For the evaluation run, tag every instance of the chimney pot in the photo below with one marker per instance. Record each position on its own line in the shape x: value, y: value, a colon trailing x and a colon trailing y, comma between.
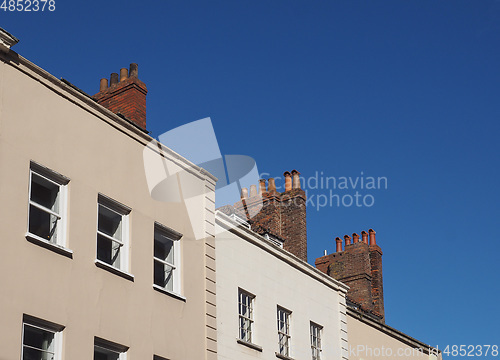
x: 134, y: 70
x: 114, y: 79
x: 123, y: 74
x: 103, y: 85
x: 271, y: 185
x: 262, y: 185
x: 244, y: 193
x: 372, y: 237
x: 288, y: 180
x: 339, y: 244
x: 355, y: 238
x: 253, y: 190
x: 295, y: 179
x: 364, y: 236
x: 126, y: 97
x: 347, y: 239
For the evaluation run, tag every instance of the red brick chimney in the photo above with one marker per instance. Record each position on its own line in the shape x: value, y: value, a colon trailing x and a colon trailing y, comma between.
x: 125, y: 95
x: 282, y: 214
x: 360, y: 267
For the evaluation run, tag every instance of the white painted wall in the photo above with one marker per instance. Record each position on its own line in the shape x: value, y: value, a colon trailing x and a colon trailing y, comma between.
x: 245, y: 260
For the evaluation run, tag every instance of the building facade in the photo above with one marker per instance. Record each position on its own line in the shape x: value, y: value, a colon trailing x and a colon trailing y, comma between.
x: 271, y: 304
x: 93, y: 266
x: 99, y: 262
x: 334, y: 310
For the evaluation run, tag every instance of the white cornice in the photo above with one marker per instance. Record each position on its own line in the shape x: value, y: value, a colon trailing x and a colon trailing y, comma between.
x: 7, y: 40
x: 252, y: 237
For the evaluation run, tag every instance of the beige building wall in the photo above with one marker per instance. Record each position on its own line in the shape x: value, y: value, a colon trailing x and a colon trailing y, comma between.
x: 372, y: 340
x: 46, y: 121
x: 276, y: 277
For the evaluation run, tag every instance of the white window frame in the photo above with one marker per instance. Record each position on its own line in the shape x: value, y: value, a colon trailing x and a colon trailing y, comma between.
x: 124, y: 242
x: 173, y: 236
x: 246, y: 318
x: 37, y: 170
x: 47, y: 326
x: 284, y: 331
x: 110, y: 346
x: 315, y: 331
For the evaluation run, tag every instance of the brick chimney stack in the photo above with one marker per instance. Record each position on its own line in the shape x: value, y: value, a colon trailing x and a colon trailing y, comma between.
x: 125, y: 95
x: 360, y: 267
x: 282, y: 214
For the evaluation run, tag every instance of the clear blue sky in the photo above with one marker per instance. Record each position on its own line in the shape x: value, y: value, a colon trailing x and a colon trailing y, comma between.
x: 404, y: 89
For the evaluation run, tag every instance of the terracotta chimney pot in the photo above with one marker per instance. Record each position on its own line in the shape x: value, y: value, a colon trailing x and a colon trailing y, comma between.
x: 339, y: 244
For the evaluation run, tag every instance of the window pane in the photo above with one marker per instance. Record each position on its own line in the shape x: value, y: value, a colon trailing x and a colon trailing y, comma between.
x: 45, y: 193
x: 164, y: 249
x: 163, y: 275
x: 105, y: 250
x: 104, y: 354
x: 43, y: 224
x: 169, y: 283
x: 110, y: 222
x: 38, y: 344
x: 34, y: 354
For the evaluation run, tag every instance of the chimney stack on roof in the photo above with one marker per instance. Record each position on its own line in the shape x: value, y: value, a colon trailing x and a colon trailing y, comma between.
x: 125, y: 95
x: 360, y: 267
x: 282, y: 214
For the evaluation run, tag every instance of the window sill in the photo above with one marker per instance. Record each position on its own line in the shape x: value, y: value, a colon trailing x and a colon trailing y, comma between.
x: 250, y: 345
x: 112, y: 269
x: 284, y: 357
x: 169, y: 293
x: 48, y: 245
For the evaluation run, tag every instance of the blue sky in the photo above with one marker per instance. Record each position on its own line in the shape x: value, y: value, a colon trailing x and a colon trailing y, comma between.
x: 406, y: 90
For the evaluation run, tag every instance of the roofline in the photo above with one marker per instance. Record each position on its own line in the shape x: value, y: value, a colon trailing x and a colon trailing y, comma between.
x: 399, y: 335
x: 87, y: 103
x: 7, y: 40
x: 283, y: 255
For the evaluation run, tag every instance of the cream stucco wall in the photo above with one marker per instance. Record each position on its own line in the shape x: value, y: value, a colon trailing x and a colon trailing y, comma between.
x: 43, y: 120
x: 245, y: 260
x: 370, y: 340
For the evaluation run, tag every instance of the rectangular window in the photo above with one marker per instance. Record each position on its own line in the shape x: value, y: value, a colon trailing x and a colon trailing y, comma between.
x: 316, y: 341
x: 47, y: 205
x: 41, y: 340
x: 107, y: 350
x: 245, y: 310
x: 112, y: 233
x: 167, y: 259
x: 284, y: 331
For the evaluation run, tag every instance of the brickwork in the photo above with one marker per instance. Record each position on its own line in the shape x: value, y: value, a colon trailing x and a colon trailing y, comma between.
x: 360, y: 267
x: 377, y: 279
x: 280, y: 214
x: 126, y: 97
x: 293, y: 222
